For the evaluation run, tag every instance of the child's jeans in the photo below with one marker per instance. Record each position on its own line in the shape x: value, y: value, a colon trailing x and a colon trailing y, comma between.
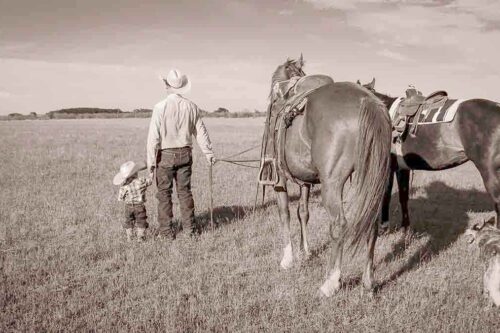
x: 135, y: 216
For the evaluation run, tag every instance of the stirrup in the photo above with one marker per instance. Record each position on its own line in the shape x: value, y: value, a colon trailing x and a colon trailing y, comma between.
x: 268, y: 172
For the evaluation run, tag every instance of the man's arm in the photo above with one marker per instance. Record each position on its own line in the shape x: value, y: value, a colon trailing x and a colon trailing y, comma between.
x: 153, y: 142
x: 202, y: 137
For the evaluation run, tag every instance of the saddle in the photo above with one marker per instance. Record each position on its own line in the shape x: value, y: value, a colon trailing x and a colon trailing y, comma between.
x: 288, y: 100
x: 410, y: 109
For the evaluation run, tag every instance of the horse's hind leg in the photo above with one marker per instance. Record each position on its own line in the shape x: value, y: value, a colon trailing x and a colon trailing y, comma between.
x: 284, y: 212
x: 403, y: 177
x: 368, y: 281
x: 303, y: 215
x: 331, y: 193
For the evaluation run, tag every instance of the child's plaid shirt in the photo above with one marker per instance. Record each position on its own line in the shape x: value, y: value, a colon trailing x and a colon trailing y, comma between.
x: 135, y: 191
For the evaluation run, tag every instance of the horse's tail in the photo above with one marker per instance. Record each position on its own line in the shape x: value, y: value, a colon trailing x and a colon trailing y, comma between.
x: 372, y: 168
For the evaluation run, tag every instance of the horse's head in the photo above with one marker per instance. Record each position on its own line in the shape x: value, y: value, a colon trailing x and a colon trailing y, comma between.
x: 388, y: 100
x: 370, y: 86
x: 288, y: 70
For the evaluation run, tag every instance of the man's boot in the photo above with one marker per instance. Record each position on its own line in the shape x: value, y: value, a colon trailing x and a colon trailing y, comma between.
x: 130, y: 234
x: 140, y: 234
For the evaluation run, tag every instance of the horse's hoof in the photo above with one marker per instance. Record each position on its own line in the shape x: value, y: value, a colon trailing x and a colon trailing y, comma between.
x: 368, y: 289
x: 383, y: 229
x: 305, y: 255
x: 327, y: 290
x: 287, y: 260
x: 286, y: 263
x: 368, y: 292
x: 320, y: 294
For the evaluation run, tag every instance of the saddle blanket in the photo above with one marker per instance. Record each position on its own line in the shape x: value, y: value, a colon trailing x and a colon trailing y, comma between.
x: 431, y: 115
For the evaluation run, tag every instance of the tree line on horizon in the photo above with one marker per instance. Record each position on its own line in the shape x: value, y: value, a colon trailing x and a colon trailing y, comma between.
x: 89, y: 112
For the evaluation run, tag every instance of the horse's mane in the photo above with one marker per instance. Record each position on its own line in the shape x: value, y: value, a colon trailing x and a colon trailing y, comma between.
x: 280, y: 74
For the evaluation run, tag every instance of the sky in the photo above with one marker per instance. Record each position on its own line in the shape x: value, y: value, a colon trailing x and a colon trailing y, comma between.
x: 64, y: 53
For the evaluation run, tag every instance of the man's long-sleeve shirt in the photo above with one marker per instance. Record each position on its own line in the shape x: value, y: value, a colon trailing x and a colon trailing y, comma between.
x: 173, y: 123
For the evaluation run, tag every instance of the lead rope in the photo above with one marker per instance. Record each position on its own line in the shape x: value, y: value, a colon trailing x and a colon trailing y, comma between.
x: 211, y: 178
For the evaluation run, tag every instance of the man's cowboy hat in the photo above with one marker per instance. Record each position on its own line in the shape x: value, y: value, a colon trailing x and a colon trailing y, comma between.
x: 127, y: 169
x: 176, y: 82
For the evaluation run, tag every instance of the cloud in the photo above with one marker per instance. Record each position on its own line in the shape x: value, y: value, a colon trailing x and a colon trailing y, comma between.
x: 485, y: 10
x: 465, y: 31
x: 5, y: 94
x: 355, y: 4
x: 392, y: 55
x: 285, y: 12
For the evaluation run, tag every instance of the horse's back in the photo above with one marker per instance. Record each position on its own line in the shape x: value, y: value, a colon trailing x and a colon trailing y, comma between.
x: 339, y: 99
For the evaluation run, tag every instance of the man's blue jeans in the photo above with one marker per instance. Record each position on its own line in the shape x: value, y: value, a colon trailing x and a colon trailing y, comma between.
x: 175, y: 164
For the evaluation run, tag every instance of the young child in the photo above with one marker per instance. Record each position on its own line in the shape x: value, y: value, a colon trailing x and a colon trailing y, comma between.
x: 133, y: 193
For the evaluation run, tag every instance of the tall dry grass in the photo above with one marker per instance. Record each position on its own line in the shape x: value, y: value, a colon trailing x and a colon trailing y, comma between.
x: 65, y: 264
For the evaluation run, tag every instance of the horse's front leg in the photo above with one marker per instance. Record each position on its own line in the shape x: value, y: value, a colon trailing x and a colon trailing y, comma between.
x: 386, y: 202
x: 303, y: 214
x: 284, y: 214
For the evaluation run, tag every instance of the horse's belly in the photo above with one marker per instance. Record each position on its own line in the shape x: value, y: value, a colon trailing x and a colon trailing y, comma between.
x: 435, y: 147
x: 298, y: 152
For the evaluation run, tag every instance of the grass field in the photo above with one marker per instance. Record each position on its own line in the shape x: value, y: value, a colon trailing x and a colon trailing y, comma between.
x: 65, y: 264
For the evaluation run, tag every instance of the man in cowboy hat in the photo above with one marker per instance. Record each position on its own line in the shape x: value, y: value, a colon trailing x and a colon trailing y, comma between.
x: 173, y: 123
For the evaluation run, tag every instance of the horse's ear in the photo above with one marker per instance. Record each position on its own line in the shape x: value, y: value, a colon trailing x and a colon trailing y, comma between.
x: 491, y: 222
x: 371, y: 85
x: 300, y: 62
x: 358, y: 82
x: 477, y: 226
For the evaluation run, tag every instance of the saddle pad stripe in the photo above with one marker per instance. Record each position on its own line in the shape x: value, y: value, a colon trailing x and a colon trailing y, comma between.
x: 440, y: 115
x: 394, y: 107
x: 452, y: 110
x: 445, y: 108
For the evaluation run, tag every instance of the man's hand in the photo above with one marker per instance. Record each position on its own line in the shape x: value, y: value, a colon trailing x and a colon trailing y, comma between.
x: 211, y: 159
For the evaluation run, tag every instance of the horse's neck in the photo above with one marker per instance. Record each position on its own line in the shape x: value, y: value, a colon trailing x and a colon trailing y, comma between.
x: 388, y: 100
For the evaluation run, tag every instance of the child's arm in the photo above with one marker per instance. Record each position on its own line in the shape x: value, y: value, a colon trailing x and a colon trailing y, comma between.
x: 122, y: 193
x: 146, y: 181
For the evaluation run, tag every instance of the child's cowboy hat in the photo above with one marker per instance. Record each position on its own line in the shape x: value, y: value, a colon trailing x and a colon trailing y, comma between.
x: 176, y: 82
x: 127, y: 169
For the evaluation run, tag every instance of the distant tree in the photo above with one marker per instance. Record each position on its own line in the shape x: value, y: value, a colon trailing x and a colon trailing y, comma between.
x: 76, y: 111
x: 221, y: 110
x: 16, y: 116
x: 33, y: 115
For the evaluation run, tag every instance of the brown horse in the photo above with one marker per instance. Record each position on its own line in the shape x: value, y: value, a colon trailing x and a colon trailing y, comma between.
x: 344, y: 128
x: 473, y: 134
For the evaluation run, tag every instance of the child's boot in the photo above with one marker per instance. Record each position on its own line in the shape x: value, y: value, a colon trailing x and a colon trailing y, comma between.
x: 140, y: 234
x: 129, y: 232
